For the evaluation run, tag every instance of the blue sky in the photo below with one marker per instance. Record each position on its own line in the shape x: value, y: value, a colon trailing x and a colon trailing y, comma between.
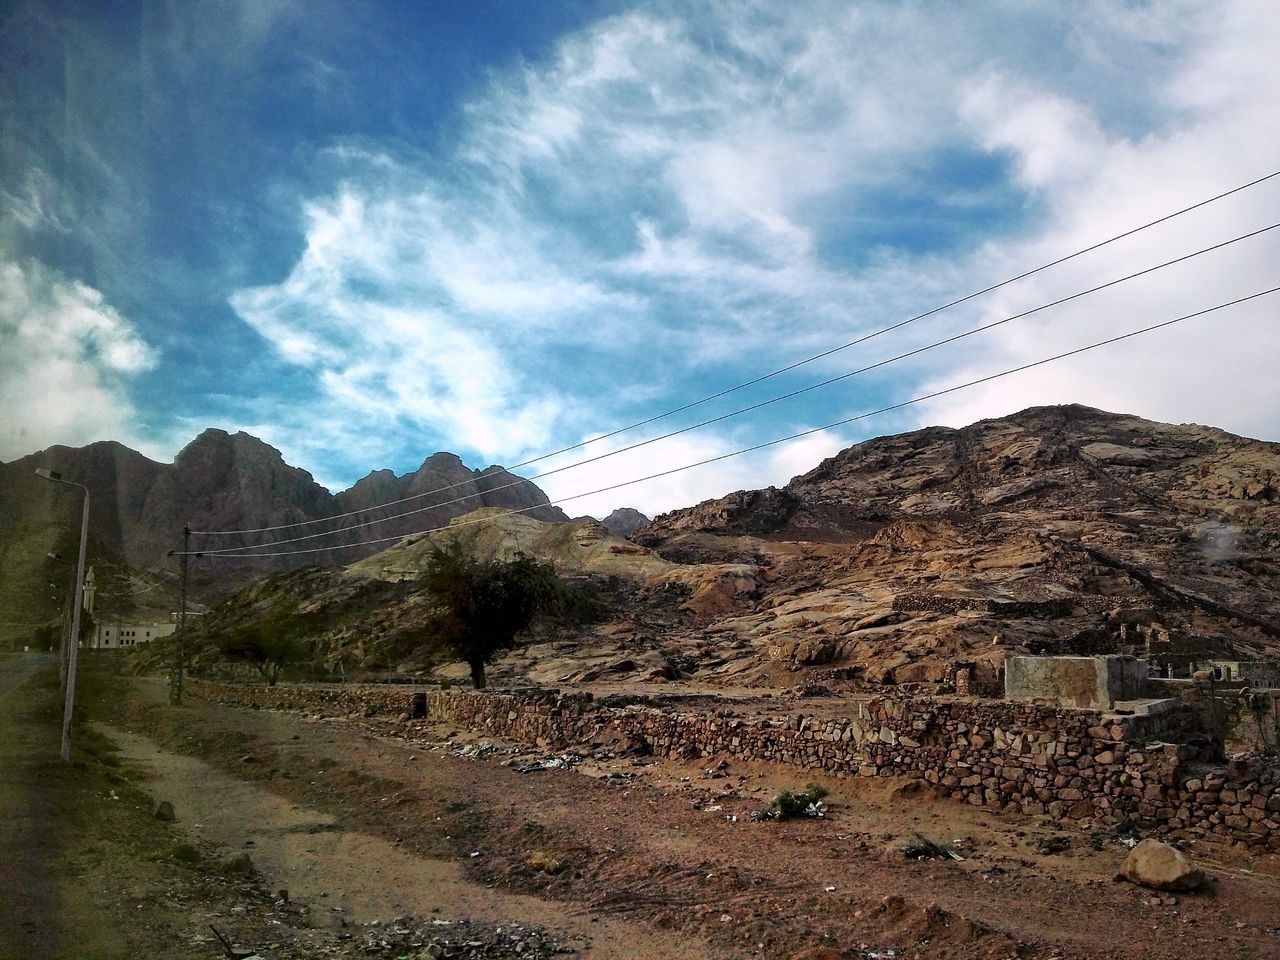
x: 367, y: 232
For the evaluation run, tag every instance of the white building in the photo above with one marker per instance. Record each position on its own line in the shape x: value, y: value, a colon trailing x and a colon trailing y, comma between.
x: 109, y: 636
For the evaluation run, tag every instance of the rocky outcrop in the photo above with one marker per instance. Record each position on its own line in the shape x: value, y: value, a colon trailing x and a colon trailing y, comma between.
x: 439, y: 490
x: 1013, y: 534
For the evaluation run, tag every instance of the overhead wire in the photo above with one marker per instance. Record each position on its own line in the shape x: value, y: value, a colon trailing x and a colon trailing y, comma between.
x: 770, y: 443
x: 767, y: 376
x: 756, y: 406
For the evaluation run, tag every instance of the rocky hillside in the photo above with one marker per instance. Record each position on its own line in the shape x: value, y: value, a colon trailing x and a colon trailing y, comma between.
x: 218, y: 481
x: 371, y: 610
x: 1058, y: 529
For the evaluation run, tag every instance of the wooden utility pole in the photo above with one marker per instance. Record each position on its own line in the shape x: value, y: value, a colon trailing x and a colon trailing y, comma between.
x: 180, y: 637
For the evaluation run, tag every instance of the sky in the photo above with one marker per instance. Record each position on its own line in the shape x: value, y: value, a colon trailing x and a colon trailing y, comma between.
x: 367, y: 232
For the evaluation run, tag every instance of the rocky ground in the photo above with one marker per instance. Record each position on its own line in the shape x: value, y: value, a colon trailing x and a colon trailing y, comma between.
x: 397, y: 839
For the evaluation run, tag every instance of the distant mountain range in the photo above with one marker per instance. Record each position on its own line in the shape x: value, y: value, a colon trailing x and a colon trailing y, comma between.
x: 219, y: 481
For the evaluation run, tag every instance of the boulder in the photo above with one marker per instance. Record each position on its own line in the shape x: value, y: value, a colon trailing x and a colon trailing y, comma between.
x: 164, y: 811
x: 1155, y: 864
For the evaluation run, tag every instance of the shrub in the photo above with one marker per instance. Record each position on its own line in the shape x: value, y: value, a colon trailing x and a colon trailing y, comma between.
x: 789, y: 805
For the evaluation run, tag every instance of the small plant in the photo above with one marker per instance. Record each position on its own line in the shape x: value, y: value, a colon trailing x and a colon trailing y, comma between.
x: 544, y: 862
x: 790, y: 805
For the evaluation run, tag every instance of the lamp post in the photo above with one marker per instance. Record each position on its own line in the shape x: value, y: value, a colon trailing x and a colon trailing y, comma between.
x: 65, y: 646
x: 73, y: 641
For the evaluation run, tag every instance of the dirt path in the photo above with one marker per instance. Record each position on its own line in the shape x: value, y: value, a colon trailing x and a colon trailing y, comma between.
x: 655, y: 852
x: 365, y: 877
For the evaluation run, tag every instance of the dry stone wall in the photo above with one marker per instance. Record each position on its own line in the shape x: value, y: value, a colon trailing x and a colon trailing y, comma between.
x: 1038, y: 759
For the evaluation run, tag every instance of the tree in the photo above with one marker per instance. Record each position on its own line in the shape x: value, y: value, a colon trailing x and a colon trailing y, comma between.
x: 479, y: 606
x: 87, y: 627
x: 269, y: 644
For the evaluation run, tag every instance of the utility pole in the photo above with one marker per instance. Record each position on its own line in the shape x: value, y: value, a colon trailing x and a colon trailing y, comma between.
x: 180, y: 637
x: 73, y: 641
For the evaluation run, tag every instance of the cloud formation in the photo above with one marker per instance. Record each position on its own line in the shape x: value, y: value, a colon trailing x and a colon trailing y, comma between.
x: 373, y: 240
x: 678, y: 199
x: 66, y: 357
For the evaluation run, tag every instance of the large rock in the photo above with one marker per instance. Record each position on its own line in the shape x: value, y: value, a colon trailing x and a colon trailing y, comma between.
x: 1155, y: 864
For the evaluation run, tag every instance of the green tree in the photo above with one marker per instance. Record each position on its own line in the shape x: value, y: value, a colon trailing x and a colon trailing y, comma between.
x: 269, y: 644
x: 87, y: 627
x: 479, y: 606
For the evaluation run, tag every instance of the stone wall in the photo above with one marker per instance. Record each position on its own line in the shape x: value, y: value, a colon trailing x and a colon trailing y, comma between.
x: 1028, y: 757
x: 1009, y: 609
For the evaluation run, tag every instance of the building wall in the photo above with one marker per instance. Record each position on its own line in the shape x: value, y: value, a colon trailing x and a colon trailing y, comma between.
x: 1085, y: 682
x: 113, y: 635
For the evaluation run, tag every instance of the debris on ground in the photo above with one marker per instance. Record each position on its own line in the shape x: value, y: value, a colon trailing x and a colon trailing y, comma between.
x: 922, y: 848
x: 461, y: 939
x: 563, y: 761
x: 1055, y: 843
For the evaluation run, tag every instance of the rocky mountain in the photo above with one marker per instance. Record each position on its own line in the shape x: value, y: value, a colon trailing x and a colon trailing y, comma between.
x: 219, y: 481
x: 624, y: 521
x: 1061, y: 529
x: 1057, y: 529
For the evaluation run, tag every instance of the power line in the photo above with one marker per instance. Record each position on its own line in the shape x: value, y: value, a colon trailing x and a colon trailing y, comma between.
x: 771, y: 443
x: 756, y: 406
x: 767, y: 376
x: 153, y: 569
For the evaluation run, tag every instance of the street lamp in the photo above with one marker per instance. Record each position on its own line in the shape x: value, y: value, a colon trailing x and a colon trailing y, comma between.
x: 73, y: 642
x: 65, y: 652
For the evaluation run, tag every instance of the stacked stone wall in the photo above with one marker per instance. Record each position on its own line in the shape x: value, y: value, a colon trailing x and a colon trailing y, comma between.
x: 1057, y: 607
x: 1025, y: 756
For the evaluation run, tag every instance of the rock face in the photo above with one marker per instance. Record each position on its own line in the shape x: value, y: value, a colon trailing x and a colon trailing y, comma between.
x: 218, y: 481
x: 1155, y: 864
x: 1032, y: 528
x: 624, y: 521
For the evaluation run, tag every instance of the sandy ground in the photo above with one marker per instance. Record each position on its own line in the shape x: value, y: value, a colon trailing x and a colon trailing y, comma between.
x: 391, y: 837
x: 625, y: 857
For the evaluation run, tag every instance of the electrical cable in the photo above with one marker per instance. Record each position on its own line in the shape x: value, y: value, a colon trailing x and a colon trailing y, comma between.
x: 756, y: 406
x: 781, y: 370
x: 768, y: 443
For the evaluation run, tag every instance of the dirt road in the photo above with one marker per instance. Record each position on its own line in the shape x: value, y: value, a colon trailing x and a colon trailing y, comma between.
x: 625, y: 857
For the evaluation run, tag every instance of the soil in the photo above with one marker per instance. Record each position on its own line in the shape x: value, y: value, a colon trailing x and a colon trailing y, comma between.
x: 390, y: 837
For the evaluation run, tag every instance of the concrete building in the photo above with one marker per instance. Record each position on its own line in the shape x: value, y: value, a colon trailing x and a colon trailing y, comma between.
x: 1092, y: 682
x: 117, y: 634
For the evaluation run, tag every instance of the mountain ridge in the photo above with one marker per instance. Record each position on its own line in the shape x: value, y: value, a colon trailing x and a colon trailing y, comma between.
x: 217, y: 481
x: 1061, y: 530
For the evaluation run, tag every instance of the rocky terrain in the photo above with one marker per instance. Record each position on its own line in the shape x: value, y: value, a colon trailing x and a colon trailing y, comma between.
x: 1060, y: 529
x: 219, y: 481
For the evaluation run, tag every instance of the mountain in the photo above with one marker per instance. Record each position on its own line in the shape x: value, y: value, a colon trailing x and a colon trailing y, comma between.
x: 1056, y: 529
x: 219, y: 481
x: 1063, y: 529
x: 624, y: 521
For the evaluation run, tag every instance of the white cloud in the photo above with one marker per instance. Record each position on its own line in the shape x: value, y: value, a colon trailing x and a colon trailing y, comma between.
x: 689, y: 199
x: 66, y: 357
x: 773, y: 466
x: 1217, y: 369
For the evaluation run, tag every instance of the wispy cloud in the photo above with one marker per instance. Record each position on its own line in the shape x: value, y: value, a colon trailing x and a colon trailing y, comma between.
x: 663, y: 203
